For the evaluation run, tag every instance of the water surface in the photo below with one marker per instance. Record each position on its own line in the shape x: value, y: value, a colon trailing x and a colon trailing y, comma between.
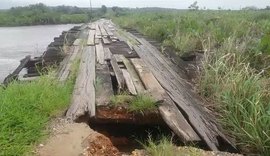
x: 17, y: 42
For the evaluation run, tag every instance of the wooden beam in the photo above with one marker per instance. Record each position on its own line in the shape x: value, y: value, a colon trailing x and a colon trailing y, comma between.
x: 83, y: 99
x: 134, y: 76
x: 100, y: 53
x: 14, y: 75
x: 129, y: 82
x: 118, y: 74
x: 107, y: 54
x: 103, y: 85
x: 91, y: 38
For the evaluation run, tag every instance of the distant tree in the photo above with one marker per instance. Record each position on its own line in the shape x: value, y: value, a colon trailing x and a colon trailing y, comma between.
x: 250, y: 8
x: 267, y: 8
x: 103, y: 9
x: 219, y: 8
x: 194, y: 6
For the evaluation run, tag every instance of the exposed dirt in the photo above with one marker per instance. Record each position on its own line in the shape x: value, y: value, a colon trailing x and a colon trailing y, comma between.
x: 75, y: 139
x: 120, y: 114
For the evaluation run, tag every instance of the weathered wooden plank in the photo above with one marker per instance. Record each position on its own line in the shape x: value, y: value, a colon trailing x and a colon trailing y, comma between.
x: 103, y: 31
x: 118, y: 58
x: 98, y: 32
x: 187, y: 100
x: 107, y: 54
x: 148, y: 79
x: 83, y: 99
x: 15, y: 73
x: 118, y: 74
x: 100, y: 53
x: 106, y: 41
x: 103, y: 85
x: 134, y: 76
x: 91, y: 38
x: 129, y: 82
x: 109, y: 32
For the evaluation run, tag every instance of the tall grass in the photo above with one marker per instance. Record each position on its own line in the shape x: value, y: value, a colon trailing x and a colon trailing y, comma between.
x: 235, y: 70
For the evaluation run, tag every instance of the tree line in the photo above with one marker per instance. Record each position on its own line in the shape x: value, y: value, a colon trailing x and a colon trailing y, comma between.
x: 40, y: 14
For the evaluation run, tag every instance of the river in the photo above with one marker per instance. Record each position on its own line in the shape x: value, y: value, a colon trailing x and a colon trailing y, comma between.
x: 17, y: 42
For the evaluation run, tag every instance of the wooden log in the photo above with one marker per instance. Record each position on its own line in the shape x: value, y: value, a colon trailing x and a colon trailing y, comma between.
x: 109, y: 32
x: 100, y: 53
x: 187, y: 100
x: 130, y: 86
x: 134, y: 76
x: 103, y: 85
x: 83, y: 99
x: 91, y: 38
x: 14, y: 75
x: 107, y: 54
x: 118, y: 74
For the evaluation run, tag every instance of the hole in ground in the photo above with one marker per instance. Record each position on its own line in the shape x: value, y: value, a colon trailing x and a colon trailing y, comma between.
x: 128, y: 137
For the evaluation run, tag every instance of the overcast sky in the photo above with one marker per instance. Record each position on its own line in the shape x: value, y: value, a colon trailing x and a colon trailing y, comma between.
x: 181, y: 4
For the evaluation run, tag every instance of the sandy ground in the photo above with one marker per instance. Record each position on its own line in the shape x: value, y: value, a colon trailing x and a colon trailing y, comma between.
x: 75, y: 139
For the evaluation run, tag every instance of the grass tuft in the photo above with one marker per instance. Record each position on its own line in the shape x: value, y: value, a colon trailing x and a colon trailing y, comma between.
x: 142, y: 103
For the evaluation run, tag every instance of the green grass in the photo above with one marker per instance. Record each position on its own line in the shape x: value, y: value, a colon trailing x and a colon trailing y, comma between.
x: 25, y: 110
x: 235, y: 69
x: 142, y: 103
x: 165, y: 147
x: 139, y: 103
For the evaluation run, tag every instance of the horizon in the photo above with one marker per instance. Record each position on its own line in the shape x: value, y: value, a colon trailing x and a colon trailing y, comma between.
x: 171, y: 4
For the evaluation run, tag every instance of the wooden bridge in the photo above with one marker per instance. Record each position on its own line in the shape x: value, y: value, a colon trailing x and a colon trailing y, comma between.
x: 113, y: 61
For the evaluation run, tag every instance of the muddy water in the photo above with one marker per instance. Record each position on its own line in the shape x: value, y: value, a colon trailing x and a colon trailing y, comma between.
x: 17, y: 42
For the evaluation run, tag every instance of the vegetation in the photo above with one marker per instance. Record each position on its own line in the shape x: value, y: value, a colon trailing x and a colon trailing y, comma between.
x: 40, y: 14
x: 235, y: 68
x: 27, y: 107
x: 139, y: 103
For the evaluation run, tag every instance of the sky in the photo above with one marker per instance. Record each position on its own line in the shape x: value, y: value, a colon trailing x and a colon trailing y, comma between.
x: 179, y: 4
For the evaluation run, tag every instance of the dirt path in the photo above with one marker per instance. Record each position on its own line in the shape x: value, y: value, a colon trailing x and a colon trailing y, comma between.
x: 75, y: 139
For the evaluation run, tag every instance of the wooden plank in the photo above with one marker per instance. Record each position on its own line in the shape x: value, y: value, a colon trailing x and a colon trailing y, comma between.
x: 100, y: 53
x: 129, y: 82
x: 14, y: 75
x: 134, y: 76
x: 91, y: 38
x: 83, y: 99
x: 118, y: 74
x: 148, y: 79
x: 107, y: 54
x: 98, y: 32
x: 103, y: 31
x: 188, y: 101
x: 103, y: 85
x: 109, y: 32
x: 106, y: 41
